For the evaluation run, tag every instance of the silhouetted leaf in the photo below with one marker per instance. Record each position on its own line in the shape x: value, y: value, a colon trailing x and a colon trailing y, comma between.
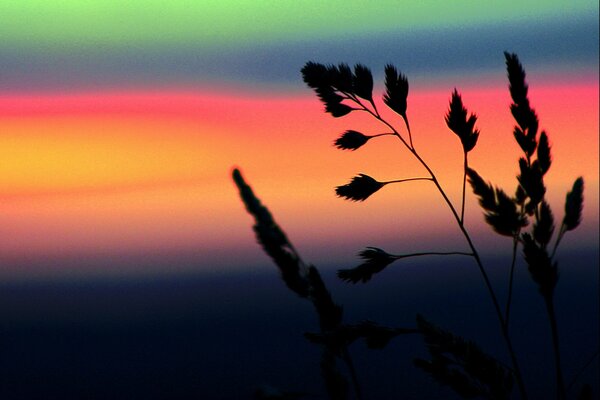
x: 273, y: 239
x: 574, y: 206
x: 375, y: 261
x: 359, y: 188
x: 351, y: 140
x: 363, y: 82
x: 543, y: 153
x: 462, y: 365
x: 542, y: 271
x: 544, y: 226
x: 396, y: 90
x: 463, y: 127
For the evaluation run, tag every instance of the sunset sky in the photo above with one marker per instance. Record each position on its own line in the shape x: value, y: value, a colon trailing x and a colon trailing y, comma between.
x: 120, y: 123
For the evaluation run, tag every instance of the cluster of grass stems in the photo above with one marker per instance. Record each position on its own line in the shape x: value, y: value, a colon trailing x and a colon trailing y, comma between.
x: 525, y: 216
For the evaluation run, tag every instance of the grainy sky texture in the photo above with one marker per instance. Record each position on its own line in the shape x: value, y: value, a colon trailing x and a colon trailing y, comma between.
x: 120, y: 123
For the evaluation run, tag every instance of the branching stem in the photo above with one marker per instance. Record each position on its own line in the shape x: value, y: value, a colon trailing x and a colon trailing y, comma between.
x: 475, y: 254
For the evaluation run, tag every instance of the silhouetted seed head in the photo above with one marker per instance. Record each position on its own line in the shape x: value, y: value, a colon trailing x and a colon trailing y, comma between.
x: 543, y: 153
x: 522, y: 112
x: 334, y: 84
x: 540, y: 266
x: 351, y: 140
x: 362, y: 82
x: 544, y: 225
x: 463, y: 127
x: 532, y: 180
x: 375, y: 261
x: 462, y: 365
x: 273, y: 240
x: 500, y: 210
x: 360, y: 188
x: 396, y: 90
x: 516, y: 78
x: 574, y: 206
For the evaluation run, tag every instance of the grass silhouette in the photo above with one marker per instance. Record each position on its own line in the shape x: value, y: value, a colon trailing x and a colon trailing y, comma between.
x: 526, y: 217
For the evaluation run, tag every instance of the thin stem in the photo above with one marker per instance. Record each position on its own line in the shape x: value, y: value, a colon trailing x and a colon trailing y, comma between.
x: 383, y: 134
x: 510, y: 280
x: 486, y: 279
x: 374, y: 106
x: 383, y: 121
x: 476, y: 256
x: 561, y: 393
x: 407, y: 180
x: 561, y: 233
x: 353, y: 376
x: 433, y: 253
x: 408, y: 129
x: 512, y: 270
x: 464, y: 186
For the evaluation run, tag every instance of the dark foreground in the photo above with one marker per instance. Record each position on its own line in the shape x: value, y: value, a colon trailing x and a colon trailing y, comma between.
x: 222, y: 336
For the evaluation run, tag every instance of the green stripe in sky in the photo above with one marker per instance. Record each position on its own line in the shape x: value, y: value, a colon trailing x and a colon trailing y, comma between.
x: 124, y: 23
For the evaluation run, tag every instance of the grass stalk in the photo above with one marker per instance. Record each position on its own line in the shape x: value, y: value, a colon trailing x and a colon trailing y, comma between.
x: 561, y: 393
x: 464, y: 188
x: 511, y: 277
x: 475, y: 253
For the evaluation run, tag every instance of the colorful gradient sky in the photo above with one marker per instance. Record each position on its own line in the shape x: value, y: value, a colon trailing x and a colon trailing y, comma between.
x: 120, y: 124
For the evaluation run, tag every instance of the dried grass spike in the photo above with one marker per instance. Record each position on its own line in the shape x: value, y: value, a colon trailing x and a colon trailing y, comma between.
x: 540, y: 266
x: 273, y: 240
x: 460, y: 124
x: 330, y: 314
x: 544, y: 226
x: 574, y: 206
x: 543, y: 153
